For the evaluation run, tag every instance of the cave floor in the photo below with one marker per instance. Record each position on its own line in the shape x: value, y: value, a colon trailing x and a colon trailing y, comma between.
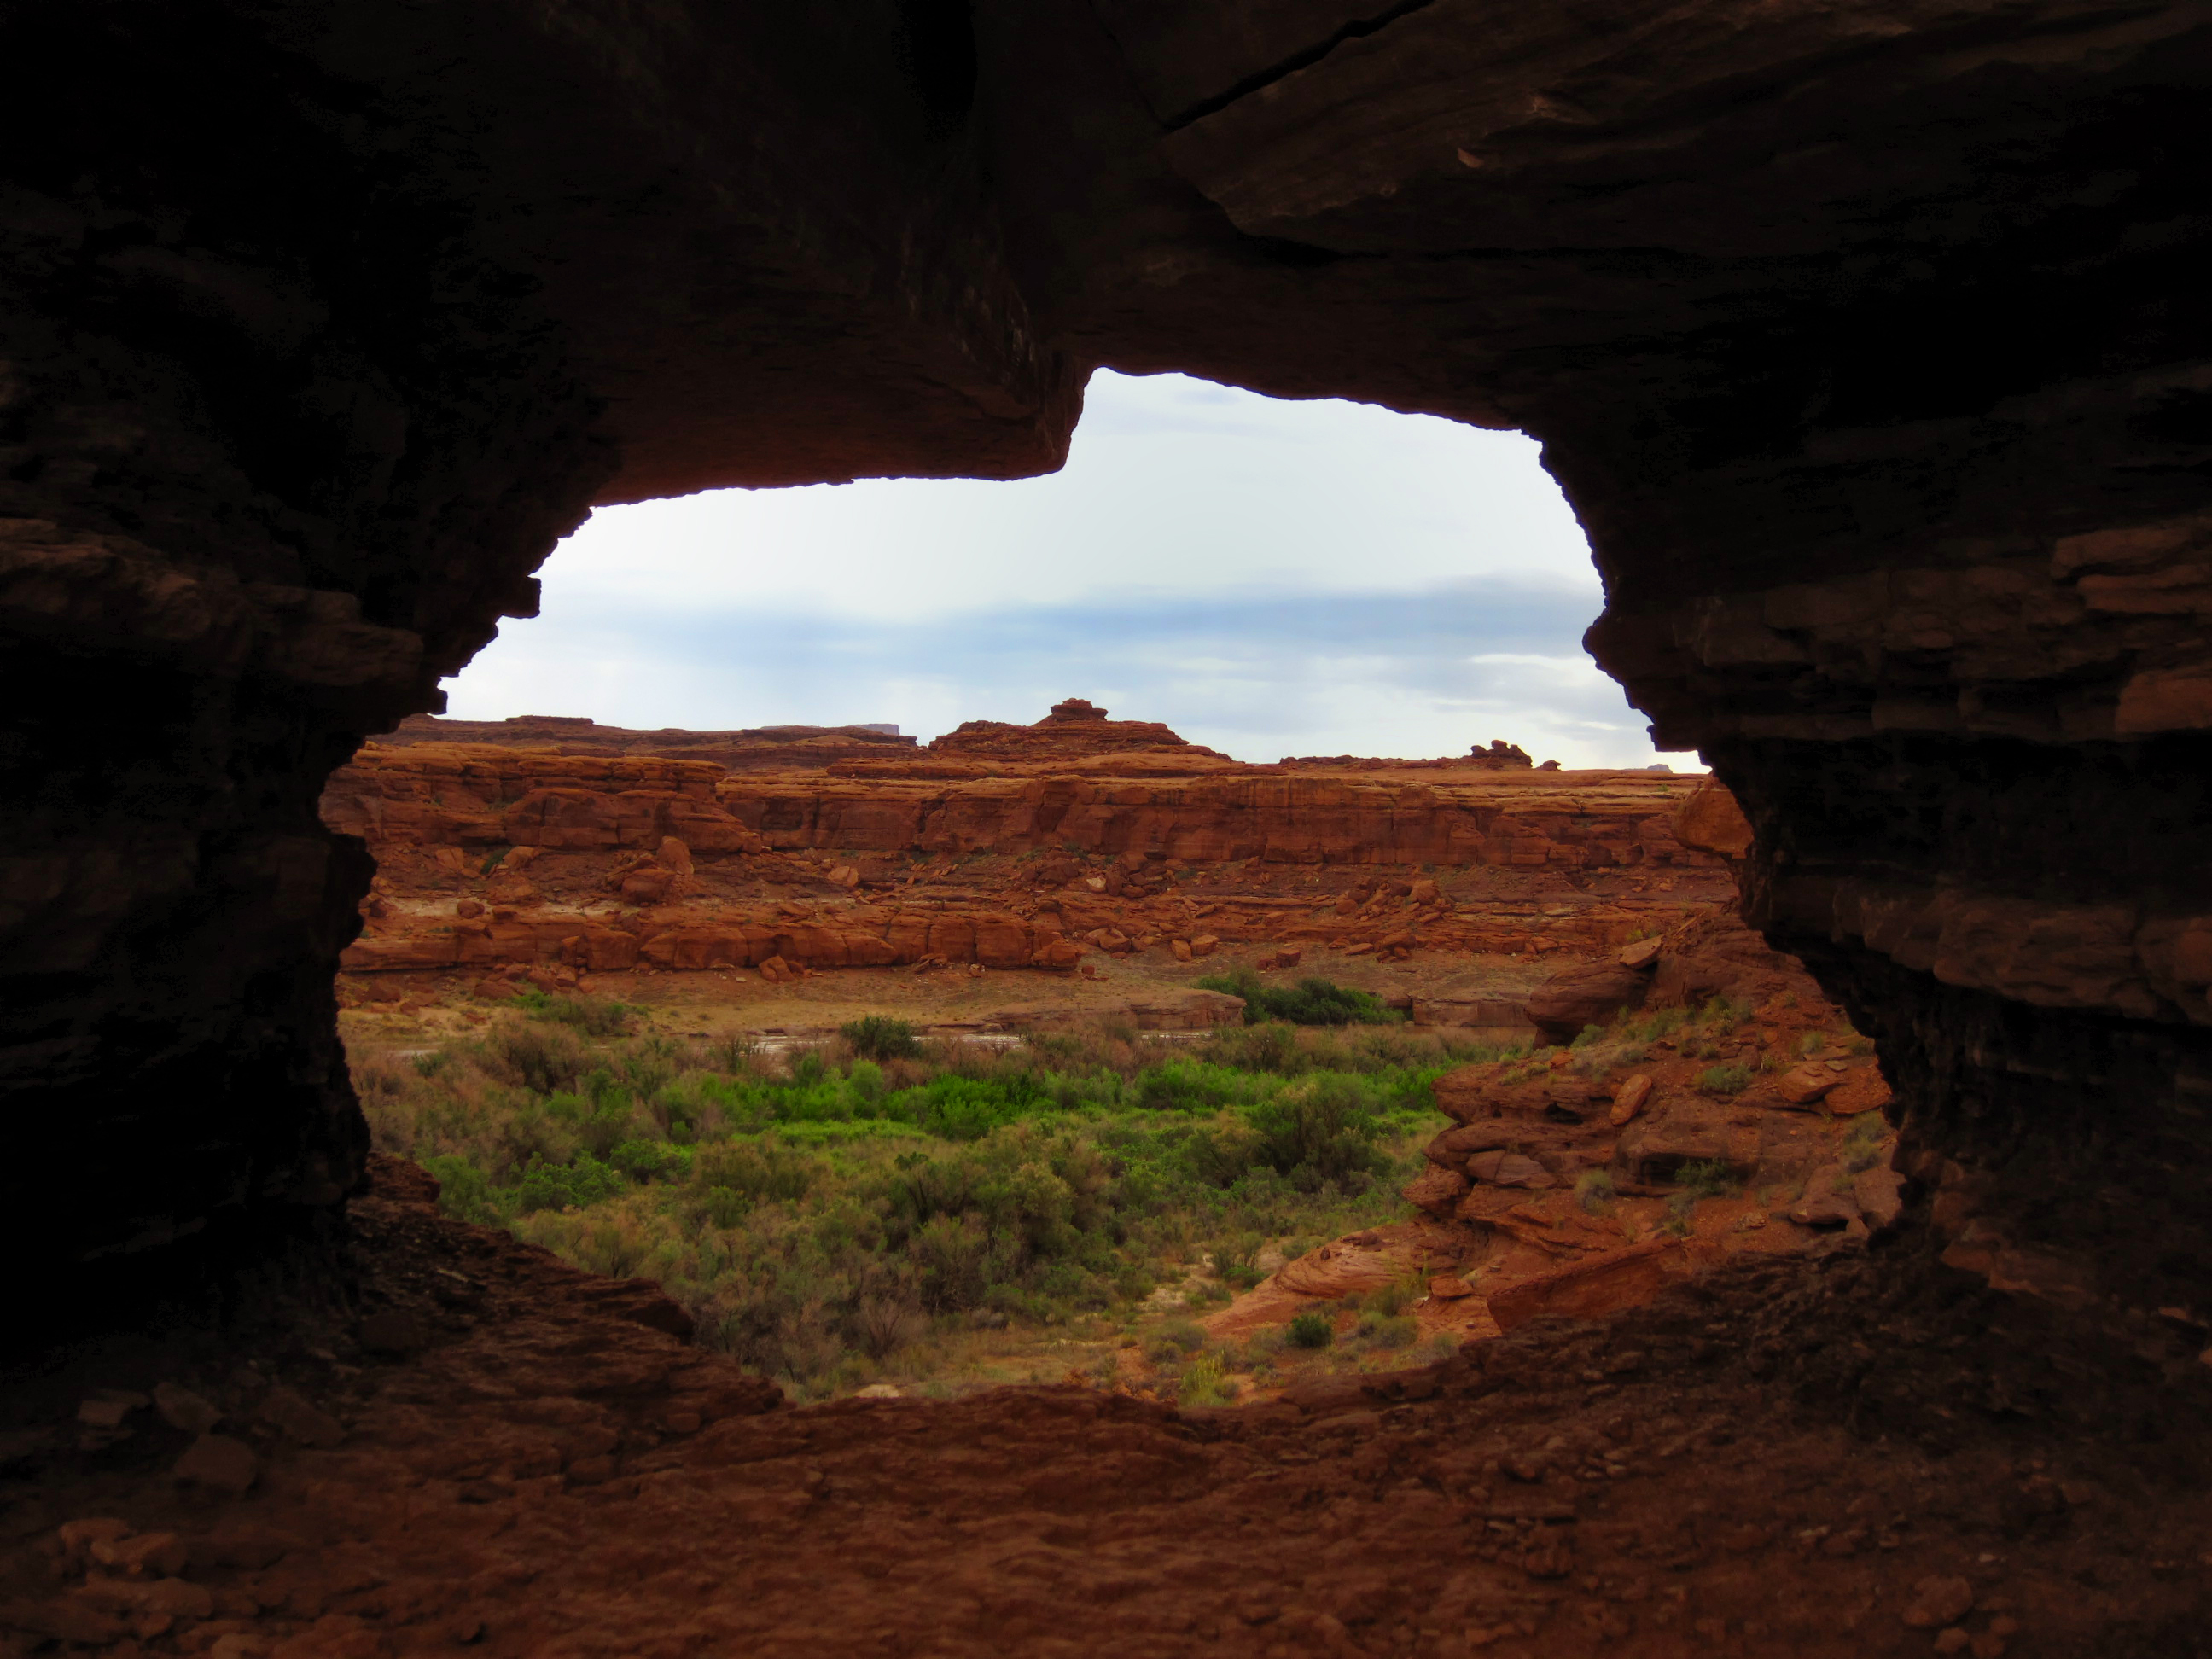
x: 494, y: 1452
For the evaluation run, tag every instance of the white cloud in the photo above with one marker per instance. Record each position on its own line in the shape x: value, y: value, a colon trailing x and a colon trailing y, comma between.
x: 1268, y: 577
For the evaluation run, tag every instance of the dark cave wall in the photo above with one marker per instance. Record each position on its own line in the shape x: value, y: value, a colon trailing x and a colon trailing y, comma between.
x: 321, y: 325
x: 1866, y: 340
x: 280, y: 447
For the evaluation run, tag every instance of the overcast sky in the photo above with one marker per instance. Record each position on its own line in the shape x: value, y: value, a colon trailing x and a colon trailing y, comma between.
x: 1268, y: 577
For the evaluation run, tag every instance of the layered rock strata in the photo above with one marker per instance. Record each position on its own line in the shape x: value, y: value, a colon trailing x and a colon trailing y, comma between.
x: 589, y: 863
x: 749, y: 747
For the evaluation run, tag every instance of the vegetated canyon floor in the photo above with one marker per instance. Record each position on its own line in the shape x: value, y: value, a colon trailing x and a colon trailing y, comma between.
x: 1623, y: 1348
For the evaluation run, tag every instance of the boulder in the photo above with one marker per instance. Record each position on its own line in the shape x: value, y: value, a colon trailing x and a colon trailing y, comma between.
x: 1879, y: 1195
x: 1628, y: 1099
x: 1502, y: 1168
x: 1448, y: 1287
x: 1711, y: 822
x: 1593, y: 1288
x: 1589, y: 995
x: 1803, y: 1086
x: 1454, y: 1147
x: 220, y: 1463
x: 1652, y: 1152
x: 1822, y: 1210
x: 1642, y: 953
x: 1435, y: 1190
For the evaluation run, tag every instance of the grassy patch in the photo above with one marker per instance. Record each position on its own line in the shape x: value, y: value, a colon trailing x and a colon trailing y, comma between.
x: 849, y: 1214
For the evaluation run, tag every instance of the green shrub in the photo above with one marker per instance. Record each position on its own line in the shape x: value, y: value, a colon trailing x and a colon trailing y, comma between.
x: 879, y: 1038
x: 762, y: 1170
x: 1594, y: 1191
x: 1174, y: 1342
x: 463, y: 1191
x: 1728, y: 1079
x: 590, y: 1015
x: 645, y: 1160
x: 1312, y: 1001
x: 1861, y: 1147
x: 1711, y: 1178
x: 1322, y: 1128
x: 1311, y: 1330
x: 560, y: 1187
x: 541, y: 1058
x: 1389, y: 1330
x: 1236, y: 1260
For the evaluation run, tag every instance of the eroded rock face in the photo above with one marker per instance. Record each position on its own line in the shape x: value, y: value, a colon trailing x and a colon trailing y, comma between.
x: 523, y: 856
x: 1864, y: 340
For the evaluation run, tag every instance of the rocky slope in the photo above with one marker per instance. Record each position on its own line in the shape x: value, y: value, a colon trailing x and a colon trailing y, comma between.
x: 483, y: 1458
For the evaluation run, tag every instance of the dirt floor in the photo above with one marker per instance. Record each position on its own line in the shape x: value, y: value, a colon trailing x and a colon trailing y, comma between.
x: 488, y: 1451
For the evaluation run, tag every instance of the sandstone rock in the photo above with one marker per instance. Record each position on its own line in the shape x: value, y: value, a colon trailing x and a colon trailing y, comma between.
x: 79, y: 1538
x: 1449, y: 1287
x: 1710, y: 821
x: 1590, y: 994
x: 1862, y: 1090
x: 292, y: 1416
x: 66, y: 1618
x: 1653, y: 1152
x: 647, y: 884
x: 180, y: 1408
x: 1451, y: 1149
x: 1502, y: 1169
x: 1879, y: 1195
x: 1643, y: 953
x: 1590, y: 1289
x: 1939, y: 1601
x: 141, y: 1555
x: 109, y: 1408
x: 220, y: 1463
x: 1802, y: 1085
x: 1437, y: 1190
x: 1628, y: 1099
x: 164, y: 1599
x: 1823, y: 1210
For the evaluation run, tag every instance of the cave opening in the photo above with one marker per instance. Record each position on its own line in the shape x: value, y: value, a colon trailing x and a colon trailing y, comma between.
x: 1865, y: 343
x: 1269, y: 578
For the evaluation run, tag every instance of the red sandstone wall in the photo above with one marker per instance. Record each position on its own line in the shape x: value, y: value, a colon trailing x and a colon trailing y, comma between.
x: 485, y: 796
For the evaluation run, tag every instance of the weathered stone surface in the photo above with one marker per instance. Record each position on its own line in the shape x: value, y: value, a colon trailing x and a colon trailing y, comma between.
x: 1802, y: 1085
x: 1591, y: 1289
x: 1438, y: 1191
x: 1629, y: 1099
x: 1590, y: 994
